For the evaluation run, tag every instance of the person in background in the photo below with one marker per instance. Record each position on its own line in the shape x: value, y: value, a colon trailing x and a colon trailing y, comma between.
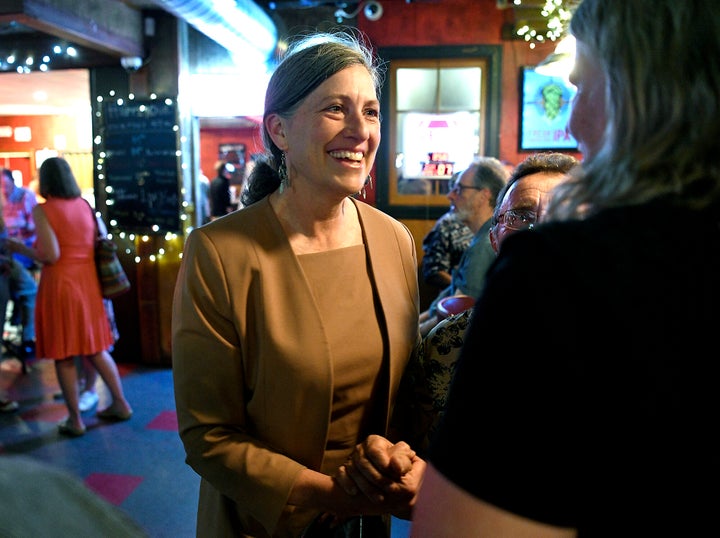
x: 203, y: 204
x: 294, y: 318
x: 608, y: 431
x: 17, y: 212
x: 87, y: 374
x: 219, y: 194
x: 70, y: 316
x: 472, y: 199
x: 520, y: 206
x: 443, y: 246
x: 7, y: 405
x: 23, y: 294
x: 31, y: 491
x: 522, y: 201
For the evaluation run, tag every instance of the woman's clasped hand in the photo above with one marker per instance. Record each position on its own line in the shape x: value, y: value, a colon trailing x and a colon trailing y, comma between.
x: 388, y: 474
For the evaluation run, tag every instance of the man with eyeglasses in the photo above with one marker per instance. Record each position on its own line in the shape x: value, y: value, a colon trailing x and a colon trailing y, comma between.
x: 472, y: 198
x: 443, y: 246
x: 521, y: 202
x: 520, y: 206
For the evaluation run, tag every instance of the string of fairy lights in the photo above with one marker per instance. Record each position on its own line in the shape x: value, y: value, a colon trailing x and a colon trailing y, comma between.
x: 151, y: 247
x: 23, y: 64
x: 158, y: 246
x: 556, y: 15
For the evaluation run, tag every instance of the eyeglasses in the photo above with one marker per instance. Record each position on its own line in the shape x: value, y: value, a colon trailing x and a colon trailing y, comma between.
x: 458, y: 188
x: 517, y: 219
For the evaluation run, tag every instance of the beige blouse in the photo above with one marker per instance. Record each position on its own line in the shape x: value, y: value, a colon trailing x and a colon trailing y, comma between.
x: 347, y: 306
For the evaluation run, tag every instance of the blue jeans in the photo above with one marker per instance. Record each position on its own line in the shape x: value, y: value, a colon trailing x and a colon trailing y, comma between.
x: 23, y: 291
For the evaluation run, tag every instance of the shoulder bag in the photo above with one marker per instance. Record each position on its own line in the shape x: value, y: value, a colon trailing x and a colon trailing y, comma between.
x: 112, y: 277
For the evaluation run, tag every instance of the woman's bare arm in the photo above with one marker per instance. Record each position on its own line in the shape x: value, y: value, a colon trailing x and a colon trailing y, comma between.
x: 444, y: 509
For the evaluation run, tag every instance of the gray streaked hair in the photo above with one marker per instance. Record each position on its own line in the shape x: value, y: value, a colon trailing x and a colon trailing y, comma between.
x: 490, y: 173
x: 662, y: 61
x: 308, y: 62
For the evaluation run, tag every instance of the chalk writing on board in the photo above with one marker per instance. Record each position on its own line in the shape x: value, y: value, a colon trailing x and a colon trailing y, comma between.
x: 141, y: 165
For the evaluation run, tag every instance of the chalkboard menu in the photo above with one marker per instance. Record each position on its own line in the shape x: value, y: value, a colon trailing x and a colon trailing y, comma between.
x: 141, y: 165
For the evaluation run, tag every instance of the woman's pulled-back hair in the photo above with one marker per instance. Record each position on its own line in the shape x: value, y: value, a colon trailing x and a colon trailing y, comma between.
x: 308, y: 62
x: 662, y: 62
x: 57, y: 180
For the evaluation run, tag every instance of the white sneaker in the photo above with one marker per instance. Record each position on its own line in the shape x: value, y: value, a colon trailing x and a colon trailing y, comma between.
x: 88, y: 400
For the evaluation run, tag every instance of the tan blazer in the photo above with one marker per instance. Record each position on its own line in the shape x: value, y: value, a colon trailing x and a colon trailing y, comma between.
x: 251, y: 368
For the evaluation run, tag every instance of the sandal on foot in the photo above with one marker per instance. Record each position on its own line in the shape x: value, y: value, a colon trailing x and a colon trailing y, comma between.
x: 66, y: 428
x: 112, y: 415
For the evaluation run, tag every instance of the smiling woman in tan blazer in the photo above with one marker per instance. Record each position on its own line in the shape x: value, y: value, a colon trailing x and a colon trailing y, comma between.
x: 294, y: 317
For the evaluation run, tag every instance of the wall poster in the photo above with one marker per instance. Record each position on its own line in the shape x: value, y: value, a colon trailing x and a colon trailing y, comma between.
x: 545, y: 107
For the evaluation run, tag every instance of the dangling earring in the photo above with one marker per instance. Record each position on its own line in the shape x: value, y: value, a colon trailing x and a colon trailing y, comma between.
x: 368, y: 182
x: 282, y: 172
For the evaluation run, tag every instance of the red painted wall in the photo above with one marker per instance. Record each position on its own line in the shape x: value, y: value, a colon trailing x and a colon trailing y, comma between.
x: 425, y: 23
x: 421, y: 23
x: 211, y: 138
x: 42, y: 130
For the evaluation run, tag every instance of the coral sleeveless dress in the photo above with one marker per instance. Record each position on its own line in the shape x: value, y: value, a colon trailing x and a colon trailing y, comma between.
x: 70, y: 317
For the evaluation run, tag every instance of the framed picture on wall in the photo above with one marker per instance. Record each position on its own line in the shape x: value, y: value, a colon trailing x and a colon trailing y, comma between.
x: 232, y: 153
x: 544, y: 112
x: 235, y: 155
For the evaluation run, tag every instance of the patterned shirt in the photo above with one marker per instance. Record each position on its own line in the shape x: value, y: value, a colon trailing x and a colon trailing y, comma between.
x: 444, y: 245
x: 17, y: 212
x: 469, y: 277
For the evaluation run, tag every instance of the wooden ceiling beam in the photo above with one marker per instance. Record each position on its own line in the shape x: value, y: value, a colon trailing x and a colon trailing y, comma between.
x: 113, y: 28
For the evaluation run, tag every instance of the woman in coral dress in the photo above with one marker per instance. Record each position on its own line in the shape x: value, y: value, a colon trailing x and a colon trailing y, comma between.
x: 70, y: 316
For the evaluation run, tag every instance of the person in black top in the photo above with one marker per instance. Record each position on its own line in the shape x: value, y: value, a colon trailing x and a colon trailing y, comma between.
x: 586, y: 389
x: 220, y: 199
